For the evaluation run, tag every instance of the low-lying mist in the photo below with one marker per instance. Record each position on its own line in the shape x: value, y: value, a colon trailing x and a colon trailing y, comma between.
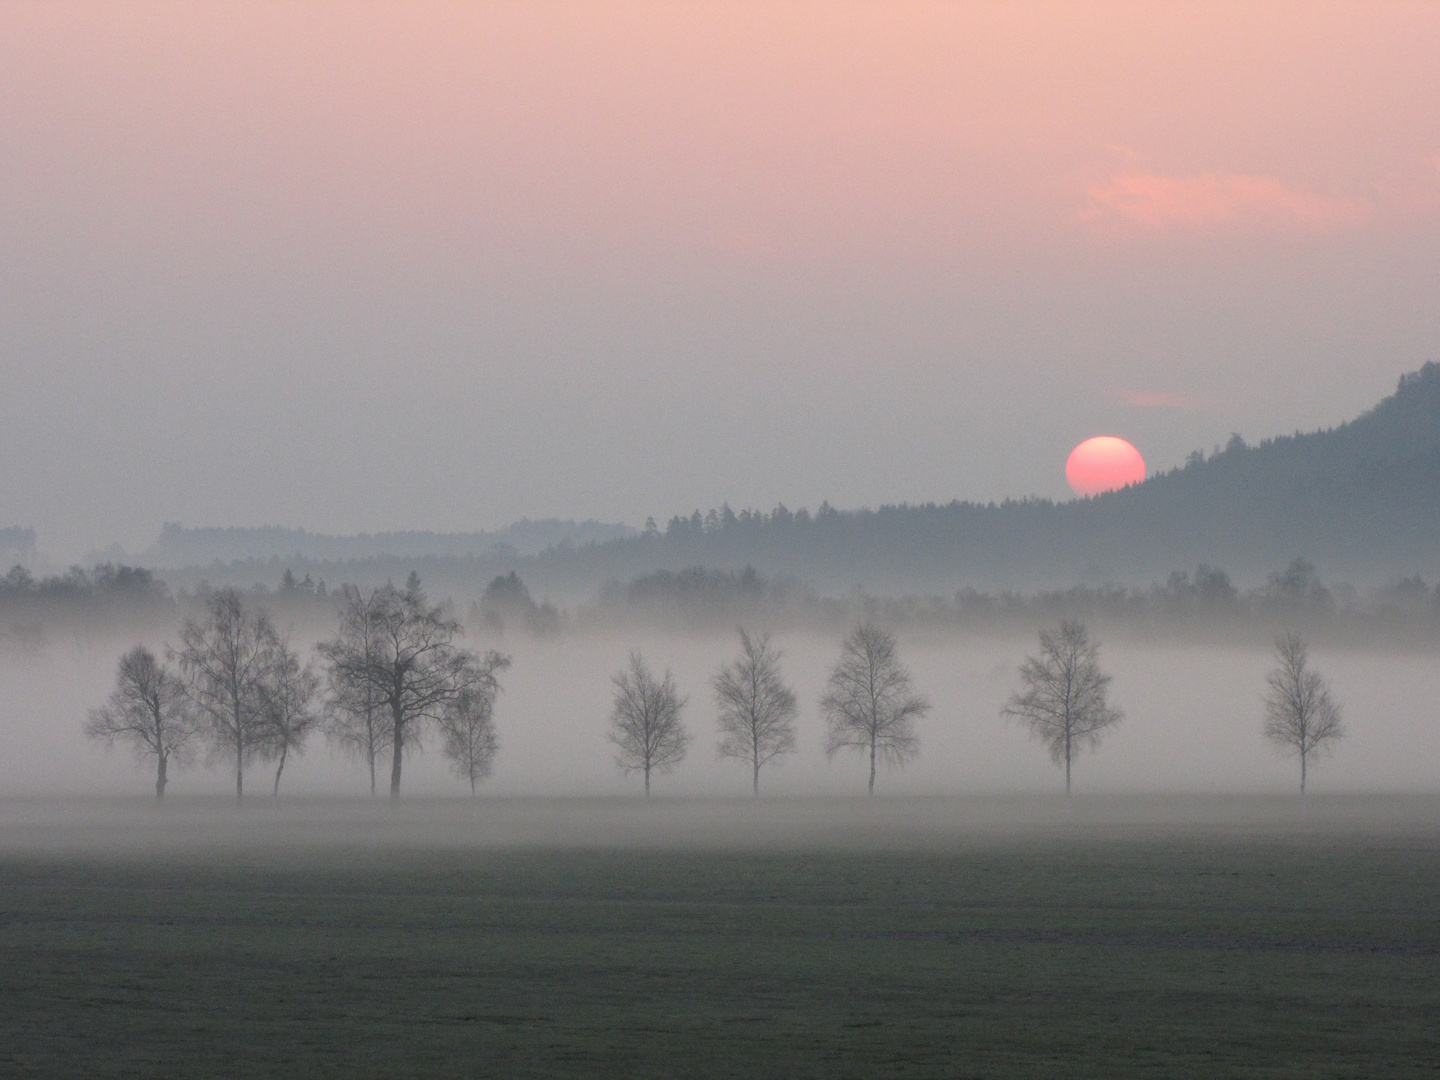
x: 348, y: 829
x: 1193, y: 721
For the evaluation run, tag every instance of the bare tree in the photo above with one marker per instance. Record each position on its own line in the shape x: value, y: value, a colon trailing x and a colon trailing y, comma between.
x: 757, y: 709
x: 288, y: 694
x: 468, y: 725
x: 356, y: 718
x: 411, y: 662
x: 1063, y: 703
x: 150, y: 711
x: 1300, y: 714
x: 645, y: 723
x: 870, y: 706
x: 225, y: 661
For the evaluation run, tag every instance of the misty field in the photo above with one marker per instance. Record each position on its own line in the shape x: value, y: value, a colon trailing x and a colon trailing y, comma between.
x: 822, y: 938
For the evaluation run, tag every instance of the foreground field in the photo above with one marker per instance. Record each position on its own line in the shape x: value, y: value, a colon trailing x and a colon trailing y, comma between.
x: 1031, y: 945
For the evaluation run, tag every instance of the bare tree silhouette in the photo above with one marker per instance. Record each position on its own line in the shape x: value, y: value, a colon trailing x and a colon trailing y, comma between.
x: 468, y: 724
x: 870, y: 706
x: 757, y: 709
x: 225, y: 661
x: 1063, y: 703
x: 645, y: 723
x: 356, y: 718
x: 1300, y: 714
x: 409, y: 660
x: 288, y: 702
x: 150, y: 711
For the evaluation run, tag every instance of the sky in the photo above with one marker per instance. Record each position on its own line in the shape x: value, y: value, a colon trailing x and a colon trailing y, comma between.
x: 360, y: 267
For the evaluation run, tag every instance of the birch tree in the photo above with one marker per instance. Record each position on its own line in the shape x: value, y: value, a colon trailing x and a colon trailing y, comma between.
x: 356, y: 719
x: 757, y: 709
x: 870, y: 705
x: 225, y: 661
x: 1064, y: 700
x: 468, y: 725
x: 645, y: 724
x: 1300, y: 713
x: 412, y: 663
x: 288, y: 702
x: 149, y: 711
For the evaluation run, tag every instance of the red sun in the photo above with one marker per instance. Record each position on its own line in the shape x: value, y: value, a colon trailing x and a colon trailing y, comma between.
x: 1103, y: 463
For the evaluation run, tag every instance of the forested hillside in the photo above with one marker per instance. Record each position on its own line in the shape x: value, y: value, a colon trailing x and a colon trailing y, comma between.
x: 1360, y: 501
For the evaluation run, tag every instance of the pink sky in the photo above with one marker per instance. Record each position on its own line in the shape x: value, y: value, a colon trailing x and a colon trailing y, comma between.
x: 804, y: 132
x: 1037, y: 221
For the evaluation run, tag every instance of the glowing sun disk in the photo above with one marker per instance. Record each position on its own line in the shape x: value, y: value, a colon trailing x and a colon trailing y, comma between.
x: 1103, y: 463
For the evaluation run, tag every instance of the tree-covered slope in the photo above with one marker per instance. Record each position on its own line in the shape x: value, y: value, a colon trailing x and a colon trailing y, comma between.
x: 1361, y: 501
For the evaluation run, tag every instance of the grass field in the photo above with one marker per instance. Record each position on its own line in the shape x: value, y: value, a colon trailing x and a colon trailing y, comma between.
x: 1077, y: 948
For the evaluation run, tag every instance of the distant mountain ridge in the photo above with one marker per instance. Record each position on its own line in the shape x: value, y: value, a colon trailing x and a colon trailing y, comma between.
x: 1361, y: 501
x: 178, y: 546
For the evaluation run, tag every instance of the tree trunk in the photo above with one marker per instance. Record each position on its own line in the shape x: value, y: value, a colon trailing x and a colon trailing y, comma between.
x: 395, y: 761
x: 872, y: 767
x: 237, y: 716
x: 1302, y: 773
x: 647, y: 781
x: 160, y: 778
x: 1067, y: 765
x: 372, y: 741
x: 757, y: 779
x: 276, y: 793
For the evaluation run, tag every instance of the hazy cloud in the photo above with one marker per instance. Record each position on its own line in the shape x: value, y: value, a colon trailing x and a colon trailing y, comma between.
x: 1210, y: 200
x: 1156, y: 399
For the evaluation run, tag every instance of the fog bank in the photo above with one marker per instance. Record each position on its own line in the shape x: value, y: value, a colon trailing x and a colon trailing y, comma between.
x: 1193, y: 723
x: 347, y: 828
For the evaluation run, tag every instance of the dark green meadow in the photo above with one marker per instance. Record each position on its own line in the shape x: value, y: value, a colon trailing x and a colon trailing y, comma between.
x: 1041, y: 954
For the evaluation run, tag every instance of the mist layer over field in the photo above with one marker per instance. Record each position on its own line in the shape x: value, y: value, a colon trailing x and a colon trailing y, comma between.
x: 304, y: 832
x: 1193, y: 722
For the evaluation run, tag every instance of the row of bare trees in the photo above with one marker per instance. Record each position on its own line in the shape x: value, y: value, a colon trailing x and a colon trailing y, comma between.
x: 1064, y: 704
x: 393, y: 669
x: 870, y: 706
x: 237, y: 684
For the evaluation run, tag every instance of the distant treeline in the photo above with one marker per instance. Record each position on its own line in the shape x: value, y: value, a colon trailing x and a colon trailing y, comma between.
x: 107, y: 585
x: 1188, y: 603
x: 1195, y: 604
